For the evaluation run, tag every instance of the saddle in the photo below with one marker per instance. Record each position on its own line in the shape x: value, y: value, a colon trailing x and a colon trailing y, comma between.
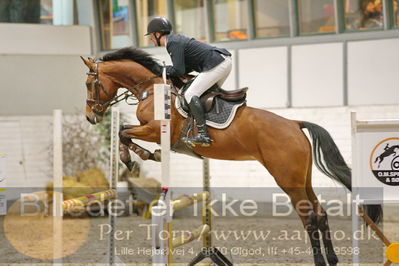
x: 208, y: 99
x: 220, y: 109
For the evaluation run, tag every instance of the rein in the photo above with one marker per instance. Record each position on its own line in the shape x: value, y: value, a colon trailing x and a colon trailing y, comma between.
x: 145, y: 93
x: 129, y: 93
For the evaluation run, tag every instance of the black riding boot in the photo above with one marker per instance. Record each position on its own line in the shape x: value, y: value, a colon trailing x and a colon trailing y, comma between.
x: 198, y: 113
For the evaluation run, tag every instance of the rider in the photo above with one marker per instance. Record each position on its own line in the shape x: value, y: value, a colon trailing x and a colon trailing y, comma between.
x: 213, y: 65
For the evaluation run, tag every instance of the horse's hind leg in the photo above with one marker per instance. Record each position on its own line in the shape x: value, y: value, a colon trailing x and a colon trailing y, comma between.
x: 322, y: 224
x: 294, y: 184
x: 292, y: 179
x: 304, y: 208
x: 322, y: 221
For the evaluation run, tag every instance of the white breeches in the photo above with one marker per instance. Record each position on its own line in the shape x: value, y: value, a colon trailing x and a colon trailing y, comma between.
x: 208, y: 78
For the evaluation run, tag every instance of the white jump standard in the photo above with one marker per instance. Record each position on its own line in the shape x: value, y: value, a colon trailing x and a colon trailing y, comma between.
x: 163, y: 243
x: 375, y: 174
x: 208, y: 250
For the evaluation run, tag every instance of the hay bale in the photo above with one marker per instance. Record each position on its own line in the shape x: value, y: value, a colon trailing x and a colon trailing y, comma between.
x: 71, y: 188
x: 85, y: 182
x: 94, y: 178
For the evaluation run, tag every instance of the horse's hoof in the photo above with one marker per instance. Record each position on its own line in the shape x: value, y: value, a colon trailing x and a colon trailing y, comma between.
x: 332, y: 259
x: 130, y: 165
x: 157, y: 155
x: 319, y: 260
x: 145, y: 155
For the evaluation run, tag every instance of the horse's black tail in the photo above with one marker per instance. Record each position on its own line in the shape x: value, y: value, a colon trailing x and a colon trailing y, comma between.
x: 328, y: 159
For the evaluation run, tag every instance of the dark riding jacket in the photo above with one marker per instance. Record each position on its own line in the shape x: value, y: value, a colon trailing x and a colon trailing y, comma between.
x: 189, y: 55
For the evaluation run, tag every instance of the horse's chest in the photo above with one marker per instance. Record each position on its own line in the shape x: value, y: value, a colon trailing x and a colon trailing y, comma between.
x: 144, y: 114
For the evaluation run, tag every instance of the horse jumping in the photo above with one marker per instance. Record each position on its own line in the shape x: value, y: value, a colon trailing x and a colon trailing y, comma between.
x: 254, y: 134
x: 388, y: 151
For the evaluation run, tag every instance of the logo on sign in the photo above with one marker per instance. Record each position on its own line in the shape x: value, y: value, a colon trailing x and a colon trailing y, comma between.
x: 384, y: 161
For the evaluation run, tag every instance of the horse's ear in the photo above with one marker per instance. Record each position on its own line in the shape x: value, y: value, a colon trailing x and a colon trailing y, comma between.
x: 87, y: 62
x: 91, y: 59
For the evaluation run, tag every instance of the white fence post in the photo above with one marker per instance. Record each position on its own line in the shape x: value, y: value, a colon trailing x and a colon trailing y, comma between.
x: 57, y: 188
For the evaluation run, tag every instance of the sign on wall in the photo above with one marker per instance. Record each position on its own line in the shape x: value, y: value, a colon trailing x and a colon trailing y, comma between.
x: 384, y: 161
x: 375, y: 152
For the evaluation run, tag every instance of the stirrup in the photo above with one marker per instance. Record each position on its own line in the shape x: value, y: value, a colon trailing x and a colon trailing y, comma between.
x: 198, y: 140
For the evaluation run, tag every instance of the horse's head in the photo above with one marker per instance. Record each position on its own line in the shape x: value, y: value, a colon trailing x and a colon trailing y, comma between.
x: 101, y: 90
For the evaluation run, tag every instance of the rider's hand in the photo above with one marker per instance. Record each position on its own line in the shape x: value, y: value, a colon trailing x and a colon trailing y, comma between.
x: 168, y: 71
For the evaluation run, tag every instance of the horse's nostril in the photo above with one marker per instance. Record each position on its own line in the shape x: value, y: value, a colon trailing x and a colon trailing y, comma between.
x: 88, y: 119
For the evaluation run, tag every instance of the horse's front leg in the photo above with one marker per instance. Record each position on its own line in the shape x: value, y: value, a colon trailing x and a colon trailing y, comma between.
x: 127, y: 143
x: 149, y: 132
x: 125, y: 157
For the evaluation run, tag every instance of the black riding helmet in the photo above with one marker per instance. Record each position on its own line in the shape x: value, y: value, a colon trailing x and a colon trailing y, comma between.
x: 159, y: 24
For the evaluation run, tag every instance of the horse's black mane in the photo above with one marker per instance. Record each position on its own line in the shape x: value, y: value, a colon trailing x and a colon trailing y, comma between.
x: 137, y: 55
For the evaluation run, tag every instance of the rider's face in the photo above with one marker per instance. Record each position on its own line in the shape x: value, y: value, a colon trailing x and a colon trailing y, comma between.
x: 153, y: 39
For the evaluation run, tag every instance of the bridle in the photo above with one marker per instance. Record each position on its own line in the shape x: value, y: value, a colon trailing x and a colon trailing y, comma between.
x: 95, y: 104
x: 99, y: 107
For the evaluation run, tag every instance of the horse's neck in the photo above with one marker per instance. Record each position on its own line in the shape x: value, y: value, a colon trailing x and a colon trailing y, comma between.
x: 132, y: 74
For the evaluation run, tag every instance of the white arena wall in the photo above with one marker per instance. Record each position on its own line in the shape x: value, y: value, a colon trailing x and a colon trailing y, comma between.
x: 320, y: 74
x: 40, y: 68
x: 359, y: 72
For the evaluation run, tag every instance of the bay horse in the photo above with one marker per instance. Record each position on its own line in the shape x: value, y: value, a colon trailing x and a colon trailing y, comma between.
x: 254, y: 134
